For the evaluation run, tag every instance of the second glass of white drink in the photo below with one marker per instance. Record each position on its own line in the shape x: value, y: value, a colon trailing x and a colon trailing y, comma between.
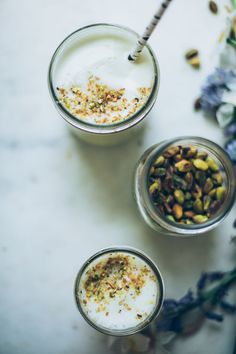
x: 119, y: 291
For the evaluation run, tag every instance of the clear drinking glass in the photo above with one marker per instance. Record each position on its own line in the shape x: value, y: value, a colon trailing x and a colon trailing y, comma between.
x: 160, y: 286
x: 145, y: 205
x: 109, y: 134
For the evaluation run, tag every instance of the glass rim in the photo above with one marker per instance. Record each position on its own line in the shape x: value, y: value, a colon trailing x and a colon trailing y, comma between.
x: 145, y: 204
x: 161, y: 290
x: 106, y: 128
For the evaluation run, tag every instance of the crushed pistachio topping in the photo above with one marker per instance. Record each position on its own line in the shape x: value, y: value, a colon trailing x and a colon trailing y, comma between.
x: 112, y: 279
x: 100, y: 103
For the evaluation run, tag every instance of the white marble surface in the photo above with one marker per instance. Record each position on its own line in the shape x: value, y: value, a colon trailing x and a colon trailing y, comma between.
x: 61, y: 199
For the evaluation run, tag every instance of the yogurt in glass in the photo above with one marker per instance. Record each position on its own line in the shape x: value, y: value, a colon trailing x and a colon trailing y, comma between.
x: 119, y: 291
x: 94, y: 85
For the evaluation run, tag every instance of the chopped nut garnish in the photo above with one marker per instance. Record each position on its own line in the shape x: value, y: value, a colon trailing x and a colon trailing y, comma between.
x: 115, y: 277
x: 101, y: 103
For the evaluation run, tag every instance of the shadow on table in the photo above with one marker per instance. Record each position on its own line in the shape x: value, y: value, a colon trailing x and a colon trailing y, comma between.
x: 111, y: 170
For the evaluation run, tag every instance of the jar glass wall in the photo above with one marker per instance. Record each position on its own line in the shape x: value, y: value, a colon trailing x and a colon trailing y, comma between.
x: 145, y: 203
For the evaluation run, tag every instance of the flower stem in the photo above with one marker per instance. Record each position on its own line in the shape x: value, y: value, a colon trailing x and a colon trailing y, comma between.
x: 206, y: 296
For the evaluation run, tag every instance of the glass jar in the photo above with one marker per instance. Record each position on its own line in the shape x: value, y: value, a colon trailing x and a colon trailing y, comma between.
x: 101, y: 134
x: 147, y: 209
x: 148, y: 263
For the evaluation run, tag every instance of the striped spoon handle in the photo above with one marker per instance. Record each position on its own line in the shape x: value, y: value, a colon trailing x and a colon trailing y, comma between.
x: 150, y: 28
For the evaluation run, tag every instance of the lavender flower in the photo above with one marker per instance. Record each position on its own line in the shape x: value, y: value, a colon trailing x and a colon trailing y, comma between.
x: 230, y: 130
x: 212, y: 91
x: 186, y: 314
x: 230, y: 147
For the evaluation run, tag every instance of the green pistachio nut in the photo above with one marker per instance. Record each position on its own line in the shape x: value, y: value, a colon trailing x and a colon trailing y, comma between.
x: 217, y: 178
x: 202, y: 155
x: 154, y: 187
x: 197, y: 206
x: 177, y: 211
x: 188, y: 195
x: 188, y: 205
x: 200, y: 164
x: 199, y: 219
x: 160, y: 172
x: 189, y: 179
x: 159, y: 161
x: 212, y: 193
x: 208, y: 185
x: 170, y: 218
x: 179, y: 196
x: 212, y: 164
x: 206, y: 202
x: 184, y: 166
x: 172, y: 151
x: 200, y: 177
x: 220, y: 193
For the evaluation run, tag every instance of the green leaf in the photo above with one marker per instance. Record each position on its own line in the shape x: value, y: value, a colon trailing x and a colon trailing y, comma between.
x: 231, y: 42
x: 233, y: 2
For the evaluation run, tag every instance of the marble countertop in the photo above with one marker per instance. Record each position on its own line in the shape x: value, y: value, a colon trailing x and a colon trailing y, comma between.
x: 61, y: 199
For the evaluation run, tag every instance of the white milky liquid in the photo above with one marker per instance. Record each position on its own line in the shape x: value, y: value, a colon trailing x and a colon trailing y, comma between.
x: 127, y: 308
x: 104, y: 55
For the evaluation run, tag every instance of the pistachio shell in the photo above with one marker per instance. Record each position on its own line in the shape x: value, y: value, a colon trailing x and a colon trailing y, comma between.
x: 200, y: 164
x: 195, y: 62
x: 191, y: 53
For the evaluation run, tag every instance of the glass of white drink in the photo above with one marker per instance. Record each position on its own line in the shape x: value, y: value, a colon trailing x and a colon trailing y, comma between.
x: 119, y: 291
x: 96, y: 89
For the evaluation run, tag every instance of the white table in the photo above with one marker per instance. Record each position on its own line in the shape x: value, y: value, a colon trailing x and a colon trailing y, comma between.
x: 61, y: 200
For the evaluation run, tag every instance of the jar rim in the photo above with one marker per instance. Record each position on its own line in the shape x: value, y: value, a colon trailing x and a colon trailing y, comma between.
x: 151, y: 264
x: 106, y: 128
x: 146, y: 206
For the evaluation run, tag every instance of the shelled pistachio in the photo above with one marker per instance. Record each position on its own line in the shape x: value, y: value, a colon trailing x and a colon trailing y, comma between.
x: 186, y: 185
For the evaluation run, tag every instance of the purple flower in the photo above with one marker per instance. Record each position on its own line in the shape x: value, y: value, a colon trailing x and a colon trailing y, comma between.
x: 230, y: 129
x: 214, y: 87
x: 214, y: 316
x: 230, y: 147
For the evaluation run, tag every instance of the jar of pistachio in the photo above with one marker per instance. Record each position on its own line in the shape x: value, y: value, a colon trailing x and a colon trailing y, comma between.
x: 184, y: 186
